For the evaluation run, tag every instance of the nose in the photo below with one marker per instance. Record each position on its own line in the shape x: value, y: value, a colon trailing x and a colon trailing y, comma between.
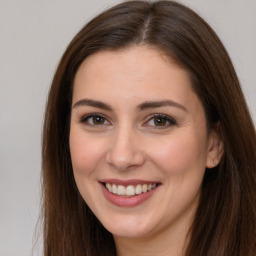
x: 125, y: 151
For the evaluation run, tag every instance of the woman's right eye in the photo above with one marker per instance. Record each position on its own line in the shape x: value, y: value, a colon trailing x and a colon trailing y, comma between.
x: 95, y: 120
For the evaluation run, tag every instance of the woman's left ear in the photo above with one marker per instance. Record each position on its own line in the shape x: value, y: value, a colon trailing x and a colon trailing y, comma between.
x: 215, y: 147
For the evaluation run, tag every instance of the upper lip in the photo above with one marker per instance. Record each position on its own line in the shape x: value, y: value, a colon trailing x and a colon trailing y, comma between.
x: 127, y: 182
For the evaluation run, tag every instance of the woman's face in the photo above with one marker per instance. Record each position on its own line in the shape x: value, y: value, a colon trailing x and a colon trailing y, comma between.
x: 138, y: 141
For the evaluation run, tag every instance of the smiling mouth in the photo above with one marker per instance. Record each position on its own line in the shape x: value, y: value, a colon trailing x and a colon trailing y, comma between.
x: 130, y: 190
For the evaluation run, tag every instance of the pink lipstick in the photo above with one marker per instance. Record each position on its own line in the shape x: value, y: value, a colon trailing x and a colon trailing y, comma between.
x: 128, y: 193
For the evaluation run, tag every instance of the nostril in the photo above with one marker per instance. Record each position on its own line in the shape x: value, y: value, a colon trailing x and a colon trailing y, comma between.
x: 125, y: 158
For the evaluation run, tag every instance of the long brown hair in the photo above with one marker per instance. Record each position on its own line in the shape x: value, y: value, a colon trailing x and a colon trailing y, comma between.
x: 225, y: 222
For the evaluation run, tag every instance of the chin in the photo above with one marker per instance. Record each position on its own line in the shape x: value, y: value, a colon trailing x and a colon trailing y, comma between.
x: 129, y: 227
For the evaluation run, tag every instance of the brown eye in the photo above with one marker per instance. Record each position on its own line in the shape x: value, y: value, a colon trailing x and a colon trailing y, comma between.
x: 98, y: 120
x: 95, y: 120
x: 160, y: 121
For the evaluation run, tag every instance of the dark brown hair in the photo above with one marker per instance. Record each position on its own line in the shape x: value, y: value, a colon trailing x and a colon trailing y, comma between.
x: 225, y: 222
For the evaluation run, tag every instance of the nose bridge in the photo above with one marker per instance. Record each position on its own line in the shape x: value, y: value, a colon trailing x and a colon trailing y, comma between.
x: 124, y: 151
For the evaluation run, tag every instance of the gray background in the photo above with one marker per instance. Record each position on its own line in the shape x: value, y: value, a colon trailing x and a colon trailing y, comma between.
x: 33, y: 36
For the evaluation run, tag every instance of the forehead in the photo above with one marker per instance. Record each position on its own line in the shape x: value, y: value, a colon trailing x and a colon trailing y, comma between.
x: 136, y: 70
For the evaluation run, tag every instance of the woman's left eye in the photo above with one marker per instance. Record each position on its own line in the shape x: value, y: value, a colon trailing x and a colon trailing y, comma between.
x: 160, y: 121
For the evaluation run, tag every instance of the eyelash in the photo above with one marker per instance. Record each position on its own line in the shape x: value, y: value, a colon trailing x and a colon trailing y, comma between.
x: 165, y: 118
x: 169, y: 120
x: 85, y: 119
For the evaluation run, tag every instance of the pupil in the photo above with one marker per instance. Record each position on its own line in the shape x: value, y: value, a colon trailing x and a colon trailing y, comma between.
x: 98, y: 120
x: 159, y: 121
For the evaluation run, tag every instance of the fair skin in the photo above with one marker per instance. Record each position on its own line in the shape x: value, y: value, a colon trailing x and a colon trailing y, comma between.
x: 135, y: 122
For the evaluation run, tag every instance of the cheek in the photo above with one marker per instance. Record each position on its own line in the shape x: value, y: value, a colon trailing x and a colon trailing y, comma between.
x: 183, y: 153
x: 85, y: 154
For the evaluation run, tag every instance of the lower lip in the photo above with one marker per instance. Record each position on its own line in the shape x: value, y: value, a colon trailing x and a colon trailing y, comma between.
x: 127, y: 201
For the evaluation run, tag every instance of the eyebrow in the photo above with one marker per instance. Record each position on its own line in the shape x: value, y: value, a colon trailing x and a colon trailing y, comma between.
x: 140, y: 107
x: 158, y: 104
x: 93, y: 103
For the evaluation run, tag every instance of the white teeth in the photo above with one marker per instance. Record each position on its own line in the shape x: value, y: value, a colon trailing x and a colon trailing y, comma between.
x: 108, y: 186
x: 138, y: 189
x: 114, y: 189
x: 121, y: 190
x: 144, y: 188
x: 130, y: 190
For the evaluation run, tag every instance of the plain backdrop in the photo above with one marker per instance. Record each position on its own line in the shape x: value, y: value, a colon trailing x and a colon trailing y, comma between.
x: 33, y: 36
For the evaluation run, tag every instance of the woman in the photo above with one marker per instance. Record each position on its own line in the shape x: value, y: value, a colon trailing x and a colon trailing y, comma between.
x: 148, y: 145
